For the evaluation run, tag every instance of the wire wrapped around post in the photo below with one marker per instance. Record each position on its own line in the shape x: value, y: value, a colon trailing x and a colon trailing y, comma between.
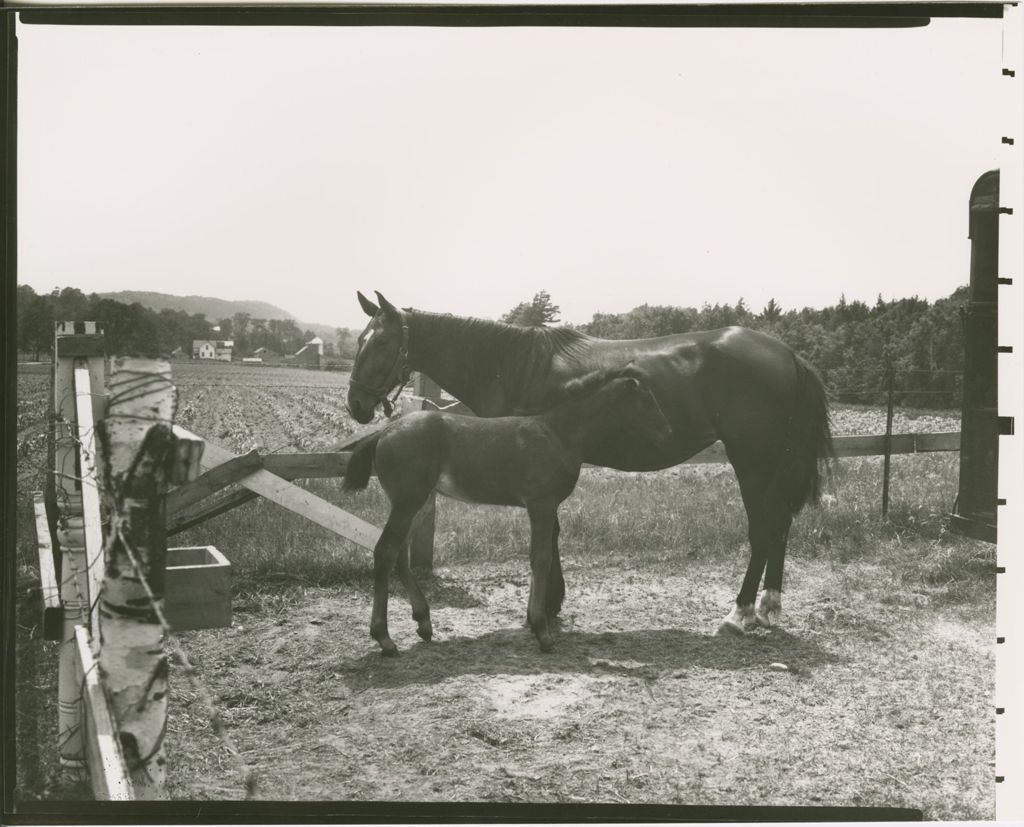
x: 138, y: 452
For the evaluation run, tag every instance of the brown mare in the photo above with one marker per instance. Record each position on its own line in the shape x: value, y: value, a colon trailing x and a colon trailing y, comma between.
x: 745, y: 388
x: 528, y: 461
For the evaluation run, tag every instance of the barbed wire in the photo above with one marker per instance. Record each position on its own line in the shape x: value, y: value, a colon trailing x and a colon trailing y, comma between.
x: 90, y: 604
x: 74, y: 577
x: 63, y: 523
x: 140, y: 384
x: 258, y: 385
x: 882, y: 371
x: 178, y: 651
x: 897, y: 391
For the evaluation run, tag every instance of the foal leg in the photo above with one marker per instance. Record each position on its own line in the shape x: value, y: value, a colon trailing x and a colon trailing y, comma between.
x: 768, y: 518
x: 542, y: 518
x: 420, y: 609
x: 385, y: 554
x: 556, y: 582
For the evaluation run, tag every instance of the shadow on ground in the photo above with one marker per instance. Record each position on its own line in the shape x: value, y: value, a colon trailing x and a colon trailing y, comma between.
x: 644, y: 653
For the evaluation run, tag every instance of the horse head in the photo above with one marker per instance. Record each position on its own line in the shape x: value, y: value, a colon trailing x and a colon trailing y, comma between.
x: 382, y: 359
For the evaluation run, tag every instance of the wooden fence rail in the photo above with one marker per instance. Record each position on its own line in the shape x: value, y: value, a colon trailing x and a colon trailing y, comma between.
x: 272, y: 487
x: 226, y: 469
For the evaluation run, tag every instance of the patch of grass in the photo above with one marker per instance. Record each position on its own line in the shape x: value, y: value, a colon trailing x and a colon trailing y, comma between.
x: 693, y: 513
x: 955, y: 572
x: 653, y: 518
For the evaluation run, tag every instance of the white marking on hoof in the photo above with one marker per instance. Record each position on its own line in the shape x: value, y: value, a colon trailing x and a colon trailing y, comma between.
x: 738, y: 620
x: 770, y: 610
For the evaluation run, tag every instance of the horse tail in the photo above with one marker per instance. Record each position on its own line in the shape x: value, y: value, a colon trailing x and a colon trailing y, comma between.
x: 360, y: 464
x: 810, y: 448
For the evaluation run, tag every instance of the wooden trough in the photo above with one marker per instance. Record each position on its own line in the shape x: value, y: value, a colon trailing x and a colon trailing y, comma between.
x: 198, y: 589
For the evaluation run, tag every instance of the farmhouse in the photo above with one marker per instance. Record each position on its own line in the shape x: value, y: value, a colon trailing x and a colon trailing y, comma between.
x: 212, y: 349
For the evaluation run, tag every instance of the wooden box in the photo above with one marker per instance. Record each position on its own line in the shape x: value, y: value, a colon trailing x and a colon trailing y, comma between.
x: 197, y: 592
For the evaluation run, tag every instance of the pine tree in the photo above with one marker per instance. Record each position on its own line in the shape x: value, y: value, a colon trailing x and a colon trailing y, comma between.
x: 536, y: 313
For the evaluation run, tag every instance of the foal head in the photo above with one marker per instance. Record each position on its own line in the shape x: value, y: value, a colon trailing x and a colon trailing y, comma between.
x: 621, y: 402
x: 382, y: 360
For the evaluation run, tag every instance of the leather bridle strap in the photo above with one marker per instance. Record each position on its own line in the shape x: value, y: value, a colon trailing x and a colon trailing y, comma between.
x: 400, y: 367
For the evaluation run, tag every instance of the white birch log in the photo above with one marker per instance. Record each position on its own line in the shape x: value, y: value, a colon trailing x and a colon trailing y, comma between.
x: 138, y: 455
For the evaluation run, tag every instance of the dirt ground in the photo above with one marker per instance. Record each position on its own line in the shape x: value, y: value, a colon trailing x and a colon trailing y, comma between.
x: 864, y: 696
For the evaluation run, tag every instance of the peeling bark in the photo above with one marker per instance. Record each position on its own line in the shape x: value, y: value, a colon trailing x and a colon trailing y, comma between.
x: 139, y: 453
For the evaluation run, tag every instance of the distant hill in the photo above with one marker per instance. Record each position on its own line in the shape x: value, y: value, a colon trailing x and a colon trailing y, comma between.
x: 217, y: 309
x: 213, y: 309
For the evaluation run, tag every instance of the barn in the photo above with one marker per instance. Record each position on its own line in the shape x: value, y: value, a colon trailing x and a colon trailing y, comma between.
x: 309, y: 355
x: 266, y: 356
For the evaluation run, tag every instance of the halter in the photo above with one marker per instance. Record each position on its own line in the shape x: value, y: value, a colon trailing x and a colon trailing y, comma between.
x: 400, y: 365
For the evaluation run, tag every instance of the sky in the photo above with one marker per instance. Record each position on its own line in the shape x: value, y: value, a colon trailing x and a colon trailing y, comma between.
x: 464, y: 170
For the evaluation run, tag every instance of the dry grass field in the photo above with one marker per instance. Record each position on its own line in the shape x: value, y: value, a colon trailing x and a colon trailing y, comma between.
x: 876, y: 690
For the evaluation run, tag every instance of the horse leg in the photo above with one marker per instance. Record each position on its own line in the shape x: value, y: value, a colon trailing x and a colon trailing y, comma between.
x: 541, y: 532
x: 420, y: 609
x: 770, y: 609
x: 556, y: 582
x: 385, y: 555
x: 768, y: 519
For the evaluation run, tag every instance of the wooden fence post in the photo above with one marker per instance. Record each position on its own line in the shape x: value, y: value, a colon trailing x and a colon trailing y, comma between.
x: 421, y: 535
x: 138, y: 454
x: 890, y: 380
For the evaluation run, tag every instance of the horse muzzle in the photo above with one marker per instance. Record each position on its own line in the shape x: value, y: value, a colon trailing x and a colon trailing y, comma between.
x: 360, y: 412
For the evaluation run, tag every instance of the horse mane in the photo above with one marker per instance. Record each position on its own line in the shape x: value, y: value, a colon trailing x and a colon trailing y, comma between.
x: 590, y: 383
x: 523, y: 354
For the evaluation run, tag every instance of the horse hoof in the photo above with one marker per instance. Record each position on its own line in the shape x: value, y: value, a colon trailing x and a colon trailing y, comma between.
x: 389, y: 650
x: 729, y: 628
x: 770, y: 610
x: 425, y: 631
x: 546, y: 644
x: 739, y: 620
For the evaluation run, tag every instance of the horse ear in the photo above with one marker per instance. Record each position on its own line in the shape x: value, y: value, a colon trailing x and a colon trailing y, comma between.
x: 632, y: 383
x: 388, y: 308
x: 369, y: 308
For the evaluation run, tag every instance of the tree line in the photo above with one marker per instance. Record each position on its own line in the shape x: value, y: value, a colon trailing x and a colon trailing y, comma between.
x: 852, y: 345
x: 132, y: 328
